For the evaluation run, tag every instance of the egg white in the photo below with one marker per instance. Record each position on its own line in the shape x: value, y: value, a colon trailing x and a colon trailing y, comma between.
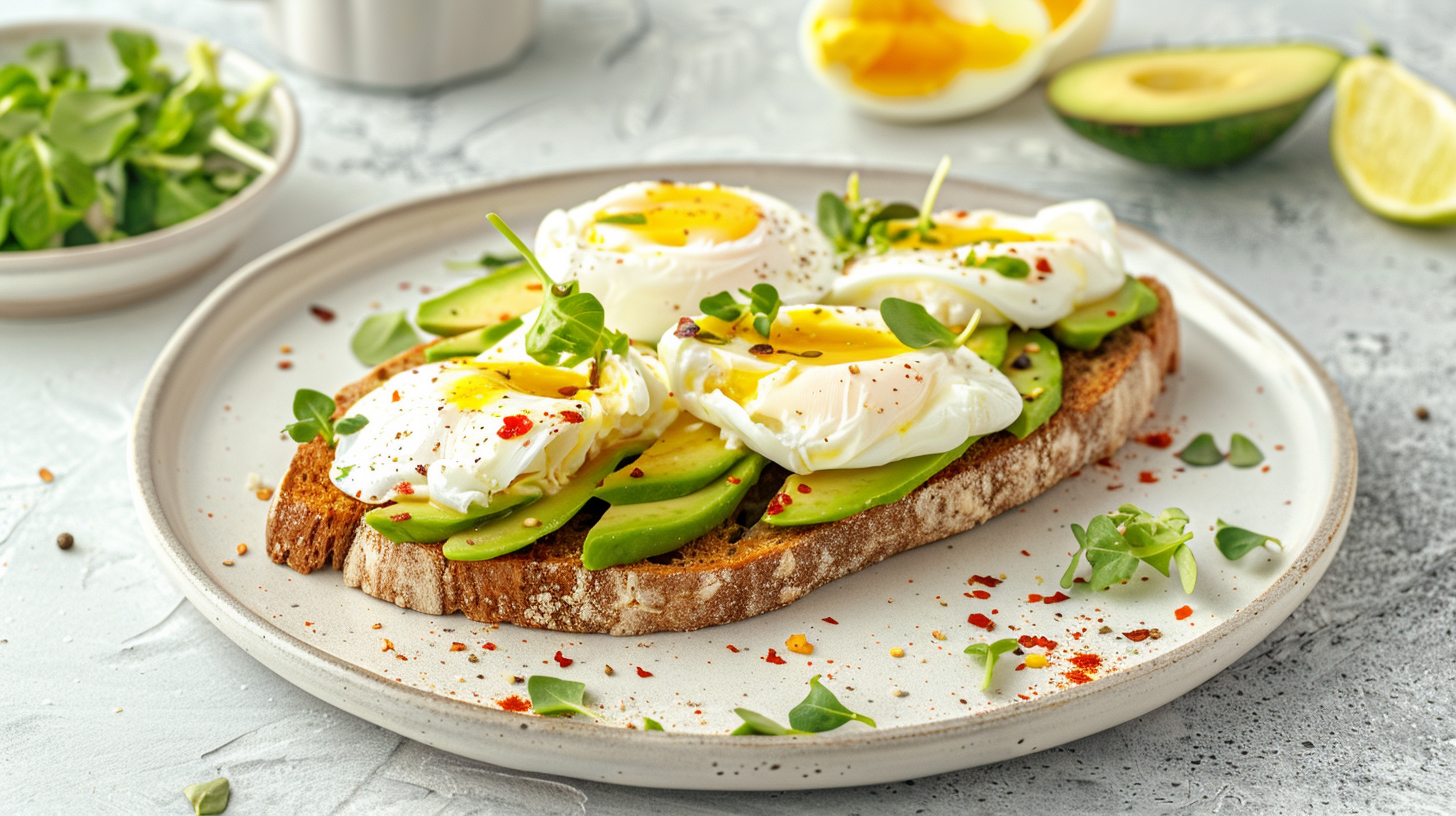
x: 1077, y: 240
x: 414, y: 426
x: 809, y: 417
x: 645, y: 287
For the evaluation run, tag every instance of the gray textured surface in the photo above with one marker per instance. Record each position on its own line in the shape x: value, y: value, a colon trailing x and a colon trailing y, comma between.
x: 1349, y: 707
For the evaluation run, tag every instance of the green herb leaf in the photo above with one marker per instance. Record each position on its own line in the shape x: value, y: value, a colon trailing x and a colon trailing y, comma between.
x: 137, y: 52
x: 822, y: 711
x: 1243, y: 453
x: 94, y: 124
x: 551, y: 696
x: 344, y: 472
x: 894, y: 211
x: 382, y: 336
x: 28, y: 177
x: 931, y: 192
x: 1236, y: 542
x: 1201, y: 452
x: 990, y: 653
x: 914, y: 326
x: 208, y: 798
x: 492, y: 263
x: 1003, y: 265
x: 633, y: 219
x: 351, y: 425
x: 47, y: 59
x: 835, y: 219
x: 723, y: 306
x: 763, y: 301
x: 649, y: 724
x: 1187, y: 568
x: 755, y: 723
x: 178, y: 201
x: 852, y: 224
x: 314, y: 411
x: 1115, y: 554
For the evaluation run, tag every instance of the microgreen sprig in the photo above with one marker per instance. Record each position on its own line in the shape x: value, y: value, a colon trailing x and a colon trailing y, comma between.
x: 490, y: 262
x: 570, y: 327
x: 914, y: 326
x: 1114, y: 546
x: 1236, y: 542
x: 763, y: 301
x: 819, y: 712
x: 927, y: 206
x: 990, y: 653
x: 852, y: 223
x: 636, y: 219
x: 552, y: 695
x: 314, y: 412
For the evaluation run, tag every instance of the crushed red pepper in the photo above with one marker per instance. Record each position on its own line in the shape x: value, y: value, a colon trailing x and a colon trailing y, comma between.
x: 1136, y: 635
x: 777, y: 504
x: 1089, y: 662
x: 1057, y: 598
x: 404, y: 489
x: 1148, y: 477
x: 573, y: 417
x: 773, y: 657
x: 489, y: 647
x: 1182, y: 612
x: 561, y: 660
x: 326, y: 315
x: 641, y: 672
x: 1028, y: 641
x: 1078, y: 676
x: 513, y: 703
x: 1160, y: 439
x: 400, y: 517
x: 732, y: 648
x: 984, y: 579
x: 977, y: 619
x: 830, y: 620
x: 980, y: 593
x: 514, y: 426
x: 803, y: 488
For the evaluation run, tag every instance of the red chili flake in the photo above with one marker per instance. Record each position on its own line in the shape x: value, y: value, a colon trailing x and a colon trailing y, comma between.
x: 308, y: 623
x: 980, y: 593
x: 982, y: 621
x: 489, y: 647
x: 1020, y: 666
x: 1114, y: 487
x: 830, y: 620
x: 1112, y: 313
x: 1042, y: 265
x: 1107, y: 462
x: 562, y: 661
x: 1028, y: 641
x: 686, y: 328
x: 534, y: 286
x: 513, y: 703
x: 285, y: 365
x: 1148, y: 477
x: 734, y: 480
x: 394, y: 398
x: 404, y: 489
x: 636, y: 473
x: 1033, y: 598
x: 773, y: 657
x: 422, y: 470
x: 1057, y: 598
x: 1077, y: 676
x: 400, y: 517
x: 1136, y: 635
x: 1160, y: 439
x: 573, y: 417
x: 567, y: 391
x: 1264, y: 469
x: 641, y: 672
x: 326, y: 315
x: 803, y: 488
x: 1025, y: 553
x: 984, y: 579
x: 1090, y: 662
x: 514, y: 426
x: 777, y: 504
x: 1182, y: 612
x: 457, y: 647
x: 732, y: 648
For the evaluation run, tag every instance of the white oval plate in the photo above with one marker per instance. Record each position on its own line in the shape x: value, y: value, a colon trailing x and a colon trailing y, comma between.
x: 215, y: 402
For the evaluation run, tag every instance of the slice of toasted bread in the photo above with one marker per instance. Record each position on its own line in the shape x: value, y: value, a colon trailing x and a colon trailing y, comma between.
x: 745, y: 567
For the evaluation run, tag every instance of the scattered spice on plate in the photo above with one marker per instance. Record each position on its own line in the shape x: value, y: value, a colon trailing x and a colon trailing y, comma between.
x: 608, y: 671
x: 1136, y: 635
x: 1028, y: 641
x: 773, y: 657
x: 897, y: 652
x: 1154, y: 634
x: 1159, y: 439
x: 980, y: 594
x: 472, y: 658
x: 386, y: 645
x: 641, y: 672
x: 285, y: 364
x: 457, y: 646
x: 937, y: 634
x: 1148, y: 477
x: 46, y: 476
x: 1057, y: 598
x: 1078, y: 676
x: 323, y: 314
x: 1423, y: 413
x: 830, y: 620
x: 377, y: 626
x: 1182, y: 612
x: 977, y: 619
x: 562, y: 660
x: 732, y: 648
x: 65, y: 541
x: 984, y: 579
x: 227, y: 562
x: 489, y: 647
x: 1088, y: 662
x: 513, y: 703
x: 242, y: 549
x: 798, y: 644
x: 896, y: 692
x: 1036, y: 661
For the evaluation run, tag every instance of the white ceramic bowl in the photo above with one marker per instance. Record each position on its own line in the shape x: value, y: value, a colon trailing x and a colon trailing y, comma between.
x: 73, y: 280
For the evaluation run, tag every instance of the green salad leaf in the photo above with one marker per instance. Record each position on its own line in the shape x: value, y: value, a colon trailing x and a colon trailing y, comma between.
x: 1243, y: 453
x: 989, y: 653
x: 853, y: 224
x: 756, y: 724
x: 819, y: 712
x: 551, y: 696
x: 208, y: 798
x: 1236, y: 542
x: 649, y: 724
x: 382, y: 336
x: 1115, y: 545
x: 1201, y: 452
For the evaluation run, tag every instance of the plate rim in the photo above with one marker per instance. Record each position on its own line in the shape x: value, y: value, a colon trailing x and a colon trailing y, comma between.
x: 1324, y: 541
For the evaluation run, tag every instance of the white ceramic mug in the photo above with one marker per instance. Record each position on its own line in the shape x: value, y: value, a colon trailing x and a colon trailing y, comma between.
x: 400, y: 44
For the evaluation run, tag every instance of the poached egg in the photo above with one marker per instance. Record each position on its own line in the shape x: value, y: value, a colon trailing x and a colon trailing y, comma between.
x: 832, y: 387
x: 651, y: 250
x: 1068, y: 256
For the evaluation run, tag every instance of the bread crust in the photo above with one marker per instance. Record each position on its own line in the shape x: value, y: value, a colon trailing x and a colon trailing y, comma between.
x: 734, y: 572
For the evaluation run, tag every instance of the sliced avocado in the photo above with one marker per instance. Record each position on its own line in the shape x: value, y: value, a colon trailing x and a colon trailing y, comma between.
x: 989, y: 343
x: 1034, y: 366
x: 628, y: 533
x: 1194, y: 107
x: 470, y: 343
x: 510, y: 292
x: 510, y: 533
x: 1085, y: 328
x: 688, y: 455
x: 835, y: 494
x: 424, y: 522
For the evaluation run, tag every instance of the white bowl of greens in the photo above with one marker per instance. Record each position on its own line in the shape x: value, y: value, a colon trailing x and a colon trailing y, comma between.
x: 131, y: 159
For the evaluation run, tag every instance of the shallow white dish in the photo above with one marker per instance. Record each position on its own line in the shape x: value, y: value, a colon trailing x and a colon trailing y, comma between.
x: 214, y: 403
x: 73, y: 280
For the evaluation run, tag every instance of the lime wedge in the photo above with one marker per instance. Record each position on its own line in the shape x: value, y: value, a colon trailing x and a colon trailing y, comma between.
x: 1394, y: 141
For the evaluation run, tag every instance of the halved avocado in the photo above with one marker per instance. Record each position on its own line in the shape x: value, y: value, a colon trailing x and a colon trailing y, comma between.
x: 1192, y: 108
x: 421, y: 521
x: 470, y: 343
x: 510, y: 292
x: 689, y: 454
x: 1086, y: 327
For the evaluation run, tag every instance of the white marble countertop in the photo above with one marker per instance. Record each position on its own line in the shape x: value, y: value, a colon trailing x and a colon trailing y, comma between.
x: 117, y: 693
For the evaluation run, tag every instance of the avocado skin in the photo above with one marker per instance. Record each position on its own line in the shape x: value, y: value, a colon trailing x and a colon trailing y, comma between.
x: 629, y: 533
x: 429, y: 522
x: 989, y: 343
x: 470, y: 343
x: 485, y: 302
x: 1044, y: 372
x: 1085, y: 328
x: 839, y: 494
x: 1196, y: 146
x: 678, y: 463
x: 509, y: 533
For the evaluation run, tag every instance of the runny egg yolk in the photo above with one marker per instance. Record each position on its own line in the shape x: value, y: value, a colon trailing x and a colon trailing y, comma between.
x: 912, y: 47
x: 495, y: 380
x: 948, y: 236
x: 1060, y: 10
x: 676, y: 214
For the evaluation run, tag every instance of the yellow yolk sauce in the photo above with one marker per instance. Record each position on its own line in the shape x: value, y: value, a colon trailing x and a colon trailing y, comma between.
x: 949, y: 236
x: 912, y: 47
x: 676, y: 214
x: 495, y: 380
x: 1060, y: 10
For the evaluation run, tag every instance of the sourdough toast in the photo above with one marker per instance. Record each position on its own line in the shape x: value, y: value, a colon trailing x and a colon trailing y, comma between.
x: 744, y: 567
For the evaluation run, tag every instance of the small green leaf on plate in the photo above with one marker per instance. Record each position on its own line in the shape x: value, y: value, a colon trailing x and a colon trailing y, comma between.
x: 1201, y: 452
x: 208, y: 798
x: 551, y: 696
x: 382, y: 336
x: 649, y: 724
x: 723, y: 306
x: 822, y: 711
x: 990, y: 653
x: 756, y: 724
x: 1236, y: 542
x: 1243, y: 453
